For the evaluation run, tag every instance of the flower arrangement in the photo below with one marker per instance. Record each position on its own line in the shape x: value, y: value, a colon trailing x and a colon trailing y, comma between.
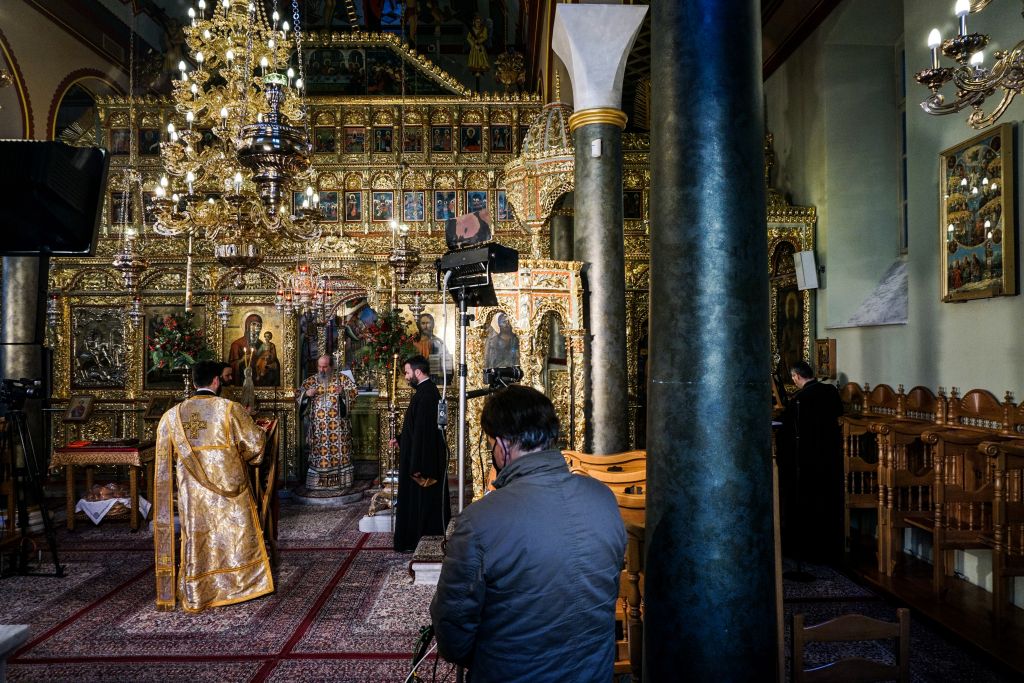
x: 177, y: 343
x: 385, y: 337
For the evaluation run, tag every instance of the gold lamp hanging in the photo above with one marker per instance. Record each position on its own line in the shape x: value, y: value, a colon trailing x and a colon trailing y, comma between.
x: 234, y: 160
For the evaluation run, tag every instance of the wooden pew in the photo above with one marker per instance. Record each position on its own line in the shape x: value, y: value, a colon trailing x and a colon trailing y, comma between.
x: 629, y: 610
x: 963, y: 492
x: 1007, y: 540
x: 630, y: 460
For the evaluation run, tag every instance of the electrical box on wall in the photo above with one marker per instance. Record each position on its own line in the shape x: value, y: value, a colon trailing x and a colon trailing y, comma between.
x: 806, y: 270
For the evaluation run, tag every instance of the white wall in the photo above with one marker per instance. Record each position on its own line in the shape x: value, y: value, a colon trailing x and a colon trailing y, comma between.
x: 833, y: 110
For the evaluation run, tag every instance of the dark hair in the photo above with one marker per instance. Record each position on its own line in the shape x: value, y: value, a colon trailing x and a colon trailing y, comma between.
x: 802, y: 369
x: 522, y: 416
x: 204, y: 372
x: 224, y: 366
x: 418, y: 362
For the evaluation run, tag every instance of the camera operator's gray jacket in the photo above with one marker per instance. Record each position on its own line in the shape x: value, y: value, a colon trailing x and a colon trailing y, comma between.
x: 530, y: 578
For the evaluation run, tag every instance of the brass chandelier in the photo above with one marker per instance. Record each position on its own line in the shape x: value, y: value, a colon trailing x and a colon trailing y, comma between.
x: 235, y: 158
x: 973, y: 81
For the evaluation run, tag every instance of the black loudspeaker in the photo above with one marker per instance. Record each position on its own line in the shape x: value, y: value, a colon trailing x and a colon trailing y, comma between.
x: 52, y: 196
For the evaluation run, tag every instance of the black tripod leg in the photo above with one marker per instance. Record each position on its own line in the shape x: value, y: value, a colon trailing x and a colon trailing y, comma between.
x: 35, y: 479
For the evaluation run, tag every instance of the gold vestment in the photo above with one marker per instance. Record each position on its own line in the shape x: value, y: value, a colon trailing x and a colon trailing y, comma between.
x: 223, y: 559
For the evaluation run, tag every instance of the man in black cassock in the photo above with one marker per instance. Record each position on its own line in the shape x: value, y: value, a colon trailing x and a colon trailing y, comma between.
x: 811, y: 470
x: 423, y: 506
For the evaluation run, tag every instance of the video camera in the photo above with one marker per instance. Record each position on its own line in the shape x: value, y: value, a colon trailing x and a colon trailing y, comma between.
x: 501, y: 377
x: 14, y: 392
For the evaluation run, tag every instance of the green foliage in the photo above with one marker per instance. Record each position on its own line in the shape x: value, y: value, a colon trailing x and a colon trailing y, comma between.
x: 177, y: 343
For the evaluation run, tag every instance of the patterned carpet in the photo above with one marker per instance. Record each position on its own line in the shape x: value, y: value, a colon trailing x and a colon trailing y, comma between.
x: 934, y: 657
x: 345, y: 610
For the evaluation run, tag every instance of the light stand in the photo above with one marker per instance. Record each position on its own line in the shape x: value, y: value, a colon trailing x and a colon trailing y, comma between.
x: 464, y: 320
x: 467, y: 274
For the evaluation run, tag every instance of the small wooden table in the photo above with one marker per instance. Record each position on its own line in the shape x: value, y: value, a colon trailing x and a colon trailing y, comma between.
x: 135, y: 457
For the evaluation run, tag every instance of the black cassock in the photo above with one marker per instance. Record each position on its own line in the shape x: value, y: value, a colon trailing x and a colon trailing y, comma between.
x: 811, y: 475
x: 422, y: 511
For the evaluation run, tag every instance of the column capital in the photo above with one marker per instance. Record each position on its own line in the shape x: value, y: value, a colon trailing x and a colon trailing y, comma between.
x: 611, y: 115
x: 593, y: 41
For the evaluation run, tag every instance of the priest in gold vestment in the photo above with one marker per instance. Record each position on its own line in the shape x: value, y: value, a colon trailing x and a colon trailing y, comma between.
x: 210, y: 442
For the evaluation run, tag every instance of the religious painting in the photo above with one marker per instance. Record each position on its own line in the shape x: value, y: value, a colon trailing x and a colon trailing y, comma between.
x: 523, y: 132
x: 329, y: 206
x: 979, y: 254
x: 353, y: 207
x: 440, y: 138
x: 324, y: 140
x: 501, y: 349
x: 250, y: 344
x: 120, y: 140
x: 149, y: 141
x: 297, y: 199
x: 157, y: 406
x: 470, y: 140
x: 412, y: 139
x: 383, y: 206
x: 435, y: 340
x: 383, y: 73
x: 162, y: 378
x: 789, y: 321
x: 444, y: 205
x: 382, y: 138
x: 98, y: 350
x: 355, y: 139
x: 825, y: 358
x: 79, y: 409
x: 633, y: 205
x: 476, y: 200
x: 336, y: 72
x: 121, y: 208
x: 501, y: 139
x: 504, y: 212
x: 413, y: 207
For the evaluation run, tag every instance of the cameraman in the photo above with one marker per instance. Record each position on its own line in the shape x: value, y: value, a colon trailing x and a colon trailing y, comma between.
x: 531, y: 575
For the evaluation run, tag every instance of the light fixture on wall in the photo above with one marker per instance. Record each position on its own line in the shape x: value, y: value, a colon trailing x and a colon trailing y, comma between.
x: 974, y: 81
x: 235, y: 159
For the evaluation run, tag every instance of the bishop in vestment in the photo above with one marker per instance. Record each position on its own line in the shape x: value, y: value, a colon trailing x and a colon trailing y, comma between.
x: 326, y: 398
x: 209, y: 443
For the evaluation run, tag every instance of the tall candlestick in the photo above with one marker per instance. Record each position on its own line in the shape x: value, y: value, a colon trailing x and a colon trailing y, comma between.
x: 188, y: 276
x: 394, y: 378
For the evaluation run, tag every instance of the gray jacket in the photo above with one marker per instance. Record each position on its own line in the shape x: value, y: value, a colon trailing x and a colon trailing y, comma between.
x: 529, y: 583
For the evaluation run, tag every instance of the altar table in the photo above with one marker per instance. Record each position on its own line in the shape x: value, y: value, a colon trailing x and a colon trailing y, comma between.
x: 135, y: 457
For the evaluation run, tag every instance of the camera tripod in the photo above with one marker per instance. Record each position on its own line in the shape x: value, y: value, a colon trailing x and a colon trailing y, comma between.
x: 29, y: 477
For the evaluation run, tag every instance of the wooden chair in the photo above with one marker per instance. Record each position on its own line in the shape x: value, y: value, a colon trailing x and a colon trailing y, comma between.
x: 848, y: 628
x: 906, y: 476
x: 264, y: 487
x: 1007, y: 541
x: 852, y: 397
x: 861, y: 455
x: 964, y: 490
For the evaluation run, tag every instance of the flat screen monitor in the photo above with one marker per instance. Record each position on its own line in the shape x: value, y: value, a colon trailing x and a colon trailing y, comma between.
x: 52, y: 196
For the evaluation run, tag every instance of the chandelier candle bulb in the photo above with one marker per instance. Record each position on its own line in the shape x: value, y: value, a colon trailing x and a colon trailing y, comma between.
x: 934, y: 41
x: 961, y: 10
x: 190, y: 117
x: 976, y: 59
x: 200, y: 58
x: 238, y: 183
